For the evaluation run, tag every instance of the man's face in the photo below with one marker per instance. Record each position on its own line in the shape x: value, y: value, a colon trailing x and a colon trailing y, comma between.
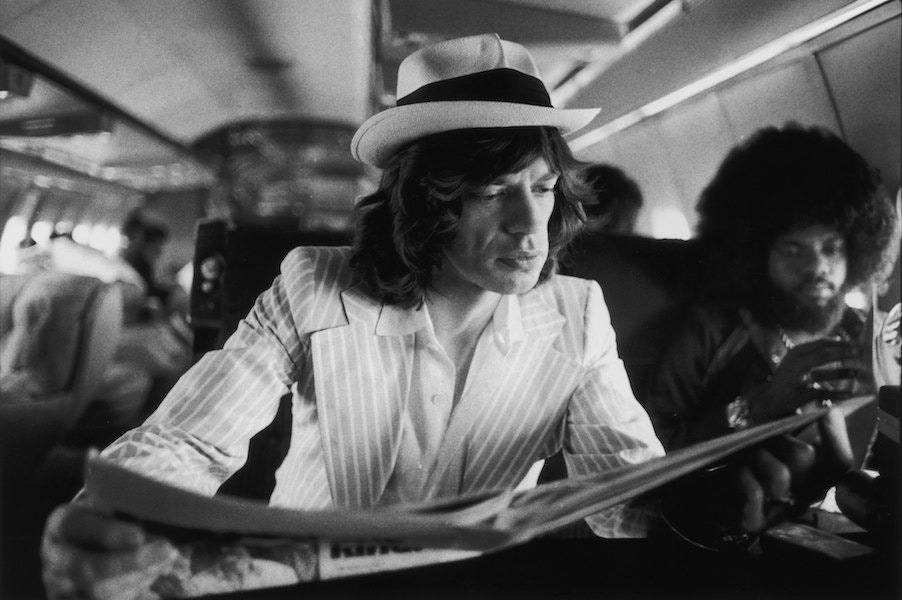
x: 501, y: 241
x: 809, y: 265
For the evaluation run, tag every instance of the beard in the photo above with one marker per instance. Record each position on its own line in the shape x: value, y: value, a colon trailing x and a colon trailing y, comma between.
x: 786, y: 309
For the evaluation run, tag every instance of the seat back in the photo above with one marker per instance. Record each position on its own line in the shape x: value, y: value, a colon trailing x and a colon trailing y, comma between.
x: 645, y: 283
x: 58, y: 334
x: 232, y: 266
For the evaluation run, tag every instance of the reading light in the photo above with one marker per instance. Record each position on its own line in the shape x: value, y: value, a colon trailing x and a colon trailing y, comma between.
x: 856, y: 299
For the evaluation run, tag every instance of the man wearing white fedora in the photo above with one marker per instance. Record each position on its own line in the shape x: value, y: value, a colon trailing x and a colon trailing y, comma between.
x: 440, y: 355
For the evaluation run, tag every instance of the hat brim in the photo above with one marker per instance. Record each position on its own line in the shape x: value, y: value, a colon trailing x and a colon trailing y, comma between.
x: 384, y: 133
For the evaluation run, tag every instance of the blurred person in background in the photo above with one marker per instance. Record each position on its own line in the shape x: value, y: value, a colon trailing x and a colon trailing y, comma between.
x: 616, y: 200
x: 793, y: 221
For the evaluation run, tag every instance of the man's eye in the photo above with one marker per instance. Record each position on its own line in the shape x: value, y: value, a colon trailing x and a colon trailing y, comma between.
x: 788, y: 250
x: 489, y: 194
x: 834, y: 249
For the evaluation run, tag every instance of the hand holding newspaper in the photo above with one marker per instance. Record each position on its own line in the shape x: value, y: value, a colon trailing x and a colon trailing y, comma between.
x: 251, y: 544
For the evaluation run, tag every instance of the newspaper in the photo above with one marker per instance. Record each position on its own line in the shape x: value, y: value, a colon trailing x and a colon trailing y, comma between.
x: 224, y: 541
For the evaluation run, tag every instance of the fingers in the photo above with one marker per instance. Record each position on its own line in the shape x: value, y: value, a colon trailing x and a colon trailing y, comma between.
x: 819, y: 370
x: 90, y: 555
x: 751, y: 517
x: 823, y: 354
x: 771, y: 478
x: 102, y: 575
x: 774, y: 477
x: 833, y: 381
x: 835, y: 445
x: 89, y: 529
x: 798, y: 456
x: 826, y: 349
x: 827, y: 375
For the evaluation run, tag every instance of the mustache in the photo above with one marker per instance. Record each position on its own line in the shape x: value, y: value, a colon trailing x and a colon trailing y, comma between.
x: 813, y: 280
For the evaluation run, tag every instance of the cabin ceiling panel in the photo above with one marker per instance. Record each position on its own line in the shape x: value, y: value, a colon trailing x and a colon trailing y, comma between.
x: 83, y: 38
x: 247, y: 58
x: 868, y: 66
x: 13, y: 9
x: 611, y: 10
x: 696, y: 137
x: 707, y: 36
x: 793, y: 92
x: 641, y: 154
x: 183, y: 91
x: 561, y: 36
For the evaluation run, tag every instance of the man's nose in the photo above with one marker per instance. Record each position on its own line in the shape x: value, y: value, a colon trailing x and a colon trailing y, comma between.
x: 525, y: 213
x: 817, y: 263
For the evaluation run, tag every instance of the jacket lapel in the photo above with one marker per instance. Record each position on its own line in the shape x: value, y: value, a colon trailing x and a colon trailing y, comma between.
x: 499, y: 430
x: 362, y: 380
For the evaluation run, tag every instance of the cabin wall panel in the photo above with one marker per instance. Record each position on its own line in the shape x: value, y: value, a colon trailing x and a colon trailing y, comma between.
x: 695, y: 137
x: 710, y: 35
x: 641, y: 155
x: 605, y: 152
x: 82, y: 49
x: 863, y: 73
x: 792, y: 92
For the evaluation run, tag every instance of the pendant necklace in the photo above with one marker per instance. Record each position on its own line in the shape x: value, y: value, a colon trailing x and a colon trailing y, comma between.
x: 787, y: 343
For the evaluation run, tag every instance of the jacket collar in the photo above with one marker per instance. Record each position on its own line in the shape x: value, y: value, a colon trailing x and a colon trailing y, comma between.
x: 363, y: 371
x: 508, y: 321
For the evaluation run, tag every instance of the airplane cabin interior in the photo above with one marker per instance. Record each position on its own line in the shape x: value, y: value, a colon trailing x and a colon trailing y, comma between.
x: 226, y: 125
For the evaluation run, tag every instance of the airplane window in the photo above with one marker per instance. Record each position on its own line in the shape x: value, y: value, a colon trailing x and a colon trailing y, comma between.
x: 63, y: 227
x: 41, y: 230
x: 668, y: 222
x: 105, y: 238
x: 15, y: 230
x: 81, y: 233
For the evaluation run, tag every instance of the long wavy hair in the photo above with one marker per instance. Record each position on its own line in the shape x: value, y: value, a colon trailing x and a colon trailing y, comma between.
x: 403, y: 227
x: 788, y: 178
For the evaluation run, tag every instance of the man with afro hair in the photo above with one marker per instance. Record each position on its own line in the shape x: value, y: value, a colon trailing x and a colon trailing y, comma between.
x: 793, y: 220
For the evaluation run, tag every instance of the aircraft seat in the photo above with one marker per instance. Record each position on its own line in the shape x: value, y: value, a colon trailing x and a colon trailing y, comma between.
x: 645, y: 283
x: 233, y: 264
x: 58, y: 333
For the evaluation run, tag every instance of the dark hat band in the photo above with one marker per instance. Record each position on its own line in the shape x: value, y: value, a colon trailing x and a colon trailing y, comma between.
x: 496, y: 85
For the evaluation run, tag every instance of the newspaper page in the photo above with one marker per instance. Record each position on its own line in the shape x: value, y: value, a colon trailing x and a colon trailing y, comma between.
x: 221, y: 543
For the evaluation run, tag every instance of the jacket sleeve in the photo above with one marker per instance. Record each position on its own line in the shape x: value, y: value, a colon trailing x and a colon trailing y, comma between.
x: 606, y: 427
x: 200, y: 433
x: 677, y: 400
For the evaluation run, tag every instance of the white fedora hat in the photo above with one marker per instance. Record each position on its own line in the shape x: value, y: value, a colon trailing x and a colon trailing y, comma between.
x: 465, y: 83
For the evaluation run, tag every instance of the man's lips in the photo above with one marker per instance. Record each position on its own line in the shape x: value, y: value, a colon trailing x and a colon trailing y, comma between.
x: 818, y: 289
x: 521, y: 259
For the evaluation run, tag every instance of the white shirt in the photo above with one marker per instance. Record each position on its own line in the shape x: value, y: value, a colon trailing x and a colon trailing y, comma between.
x: 431, y: 395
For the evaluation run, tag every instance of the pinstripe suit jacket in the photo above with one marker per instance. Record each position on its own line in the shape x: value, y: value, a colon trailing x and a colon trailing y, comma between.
x: 317, y: 333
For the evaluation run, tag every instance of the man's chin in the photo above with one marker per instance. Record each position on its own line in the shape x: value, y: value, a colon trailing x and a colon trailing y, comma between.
x: 806, y: 313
